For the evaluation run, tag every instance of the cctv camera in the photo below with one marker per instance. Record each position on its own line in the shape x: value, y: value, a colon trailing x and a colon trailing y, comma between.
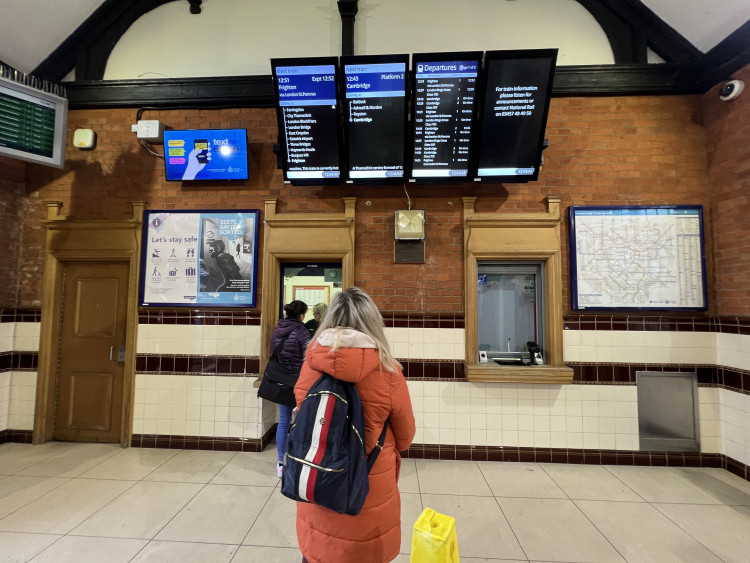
x: 731, y: 90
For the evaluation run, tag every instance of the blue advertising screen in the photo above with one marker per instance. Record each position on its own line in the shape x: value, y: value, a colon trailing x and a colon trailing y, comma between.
x: 375, y: 115
x: 206, y: 154
x: 444, y: 107
x: 308, y: 115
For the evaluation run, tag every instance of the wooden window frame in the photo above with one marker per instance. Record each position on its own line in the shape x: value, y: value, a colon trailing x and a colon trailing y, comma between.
x: 516, y: 237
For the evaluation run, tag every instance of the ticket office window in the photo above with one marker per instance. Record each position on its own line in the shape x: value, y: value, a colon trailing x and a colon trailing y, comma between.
x: 510, y: 312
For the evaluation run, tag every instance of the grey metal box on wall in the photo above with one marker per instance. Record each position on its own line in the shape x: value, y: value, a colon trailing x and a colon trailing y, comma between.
x: 668, y: 417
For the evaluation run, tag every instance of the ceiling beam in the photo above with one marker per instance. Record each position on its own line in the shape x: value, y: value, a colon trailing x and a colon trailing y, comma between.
x: 627, y: 43
x: 87, y: 49
x: 727, y: 57
x: 257, y: 91
x: 663, y: 39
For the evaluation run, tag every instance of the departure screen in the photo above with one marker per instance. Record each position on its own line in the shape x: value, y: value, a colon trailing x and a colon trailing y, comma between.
x: 444, y: 95
x: 375, y: 117
x: 309, y: 119
x: 27, y: 124
x: 514, y: 115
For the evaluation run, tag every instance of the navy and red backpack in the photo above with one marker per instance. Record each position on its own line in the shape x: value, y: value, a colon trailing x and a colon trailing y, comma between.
x: 325, y: 461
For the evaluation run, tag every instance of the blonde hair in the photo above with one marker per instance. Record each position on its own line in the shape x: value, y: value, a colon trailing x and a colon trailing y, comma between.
x: 320, y: 309
x: 353, y: 308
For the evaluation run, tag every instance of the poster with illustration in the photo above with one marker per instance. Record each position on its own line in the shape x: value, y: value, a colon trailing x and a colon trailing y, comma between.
x: 199, y: 257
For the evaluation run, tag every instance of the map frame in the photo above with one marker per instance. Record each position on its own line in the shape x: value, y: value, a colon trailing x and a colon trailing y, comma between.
x: 695, y: 294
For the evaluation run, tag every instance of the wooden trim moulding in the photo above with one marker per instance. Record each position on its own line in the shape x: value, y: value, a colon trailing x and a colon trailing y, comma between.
x: 519, y: 237
x: 71, y: 238
x: 324, y: 237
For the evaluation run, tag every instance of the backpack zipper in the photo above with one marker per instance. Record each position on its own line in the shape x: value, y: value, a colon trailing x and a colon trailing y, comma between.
x: 311, y: 464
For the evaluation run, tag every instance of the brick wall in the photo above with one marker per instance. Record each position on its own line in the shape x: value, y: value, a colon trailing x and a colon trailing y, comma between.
x: 613, y: 150
x: 12, y: 204
x: 728, y: 155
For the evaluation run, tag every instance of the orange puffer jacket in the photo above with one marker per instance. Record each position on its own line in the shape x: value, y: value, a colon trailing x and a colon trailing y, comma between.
x: 374, y: 535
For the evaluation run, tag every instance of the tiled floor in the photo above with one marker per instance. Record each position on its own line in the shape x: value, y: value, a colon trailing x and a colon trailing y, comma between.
x: 64, y: 502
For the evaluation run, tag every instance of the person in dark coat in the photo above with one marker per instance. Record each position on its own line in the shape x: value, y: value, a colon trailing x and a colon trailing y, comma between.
x: 291, y: 356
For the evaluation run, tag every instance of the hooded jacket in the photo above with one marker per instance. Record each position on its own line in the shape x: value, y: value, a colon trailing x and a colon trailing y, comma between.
x: 374, y: 535
x: 293, y: 352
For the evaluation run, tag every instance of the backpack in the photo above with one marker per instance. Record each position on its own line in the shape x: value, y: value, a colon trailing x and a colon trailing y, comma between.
x: 325, y: 462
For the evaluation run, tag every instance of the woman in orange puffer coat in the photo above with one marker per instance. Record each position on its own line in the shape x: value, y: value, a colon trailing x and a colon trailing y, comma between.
x: 351, y: 346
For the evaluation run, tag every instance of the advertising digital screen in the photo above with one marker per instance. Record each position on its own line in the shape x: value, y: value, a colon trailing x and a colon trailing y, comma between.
x: 308, y: 115
x: 515, y: 102
x: 375, y: 105
x: 445, y: 88
x: 32, y: 124
x: 206, y: 154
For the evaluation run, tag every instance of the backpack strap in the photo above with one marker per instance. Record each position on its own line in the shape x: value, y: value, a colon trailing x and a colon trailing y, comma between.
x: 279, y: 346
x: 378, y: 446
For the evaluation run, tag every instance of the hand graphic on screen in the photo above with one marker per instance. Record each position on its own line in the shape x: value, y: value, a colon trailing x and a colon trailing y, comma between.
x: 195, y: 164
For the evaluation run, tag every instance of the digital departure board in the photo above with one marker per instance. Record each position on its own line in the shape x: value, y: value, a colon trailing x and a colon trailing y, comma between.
x: 32, y: 124
x: 443, y: 113
x: 515, y: 101
x: 375, y: 116
x: 308, y: 115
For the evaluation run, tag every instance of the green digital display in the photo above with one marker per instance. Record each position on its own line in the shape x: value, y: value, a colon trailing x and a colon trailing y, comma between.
x: 32, y: 124
x: 26, y: 126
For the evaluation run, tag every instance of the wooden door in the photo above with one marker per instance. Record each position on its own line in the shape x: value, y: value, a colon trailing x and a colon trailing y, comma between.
x: 89, y: 383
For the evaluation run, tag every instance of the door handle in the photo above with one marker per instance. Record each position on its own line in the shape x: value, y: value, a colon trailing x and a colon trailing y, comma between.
x: 117, y: 353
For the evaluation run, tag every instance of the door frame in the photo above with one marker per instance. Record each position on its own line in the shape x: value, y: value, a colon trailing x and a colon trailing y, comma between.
x: 68, y: 238
x: 301, y: 237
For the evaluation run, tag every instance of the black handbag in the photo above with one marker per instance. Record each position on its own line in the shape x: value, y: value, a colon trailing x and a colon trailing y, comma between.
x: 278, y: 382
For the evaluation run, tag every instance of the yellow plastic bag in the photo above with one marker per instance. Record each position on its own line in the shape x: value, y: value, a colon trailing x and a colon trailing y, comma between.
x: 434, y: 539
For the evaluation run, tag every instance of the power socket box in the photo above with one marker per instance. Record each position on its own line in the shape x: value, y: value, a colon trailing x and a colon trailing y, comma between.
x: 149, y: 130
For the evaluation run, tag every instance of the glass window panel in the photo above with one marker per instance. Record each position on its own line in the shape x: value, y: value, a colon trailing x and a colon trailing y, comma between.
x: 510, y: 309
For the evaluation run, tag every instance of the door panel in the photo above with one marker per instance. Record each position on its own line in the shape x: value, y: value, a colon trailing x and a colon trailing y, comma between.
x: 89, y: 377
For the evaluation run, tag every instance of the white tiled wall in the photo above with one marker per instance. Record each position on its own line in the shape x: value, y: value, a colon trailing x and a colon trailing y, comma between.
x: 199, y: 339
x: 406, y: 343
x: 426, y: 343
x: 5, y: 378
x: 19, y: 337
x: 18, y: 389
x: 735, y: 425
x: 197, y: 406
x: 567, y: 416
x: 7, y: 332
x: 22, y: 400
x: 644, y: 347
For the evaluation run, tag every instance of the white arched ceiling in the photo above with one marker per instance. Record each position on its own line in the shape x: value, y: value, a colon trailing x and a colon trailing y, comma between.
x: 419, y: 26
x: 228, y: 38
x: 703, y: 23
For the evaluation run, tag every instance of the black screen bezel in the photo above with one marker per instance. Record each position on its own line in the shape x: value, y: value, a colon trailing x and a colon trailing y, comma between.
x: 438, y: 57
x: 308, y: 61
x: 377, y: 59
x: 513, y: 54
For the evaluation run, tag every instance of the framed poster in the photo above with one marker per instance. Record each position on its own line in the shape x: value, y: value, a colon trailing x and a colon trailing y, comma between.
x: 638, y: 257
x: 199, y: 257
